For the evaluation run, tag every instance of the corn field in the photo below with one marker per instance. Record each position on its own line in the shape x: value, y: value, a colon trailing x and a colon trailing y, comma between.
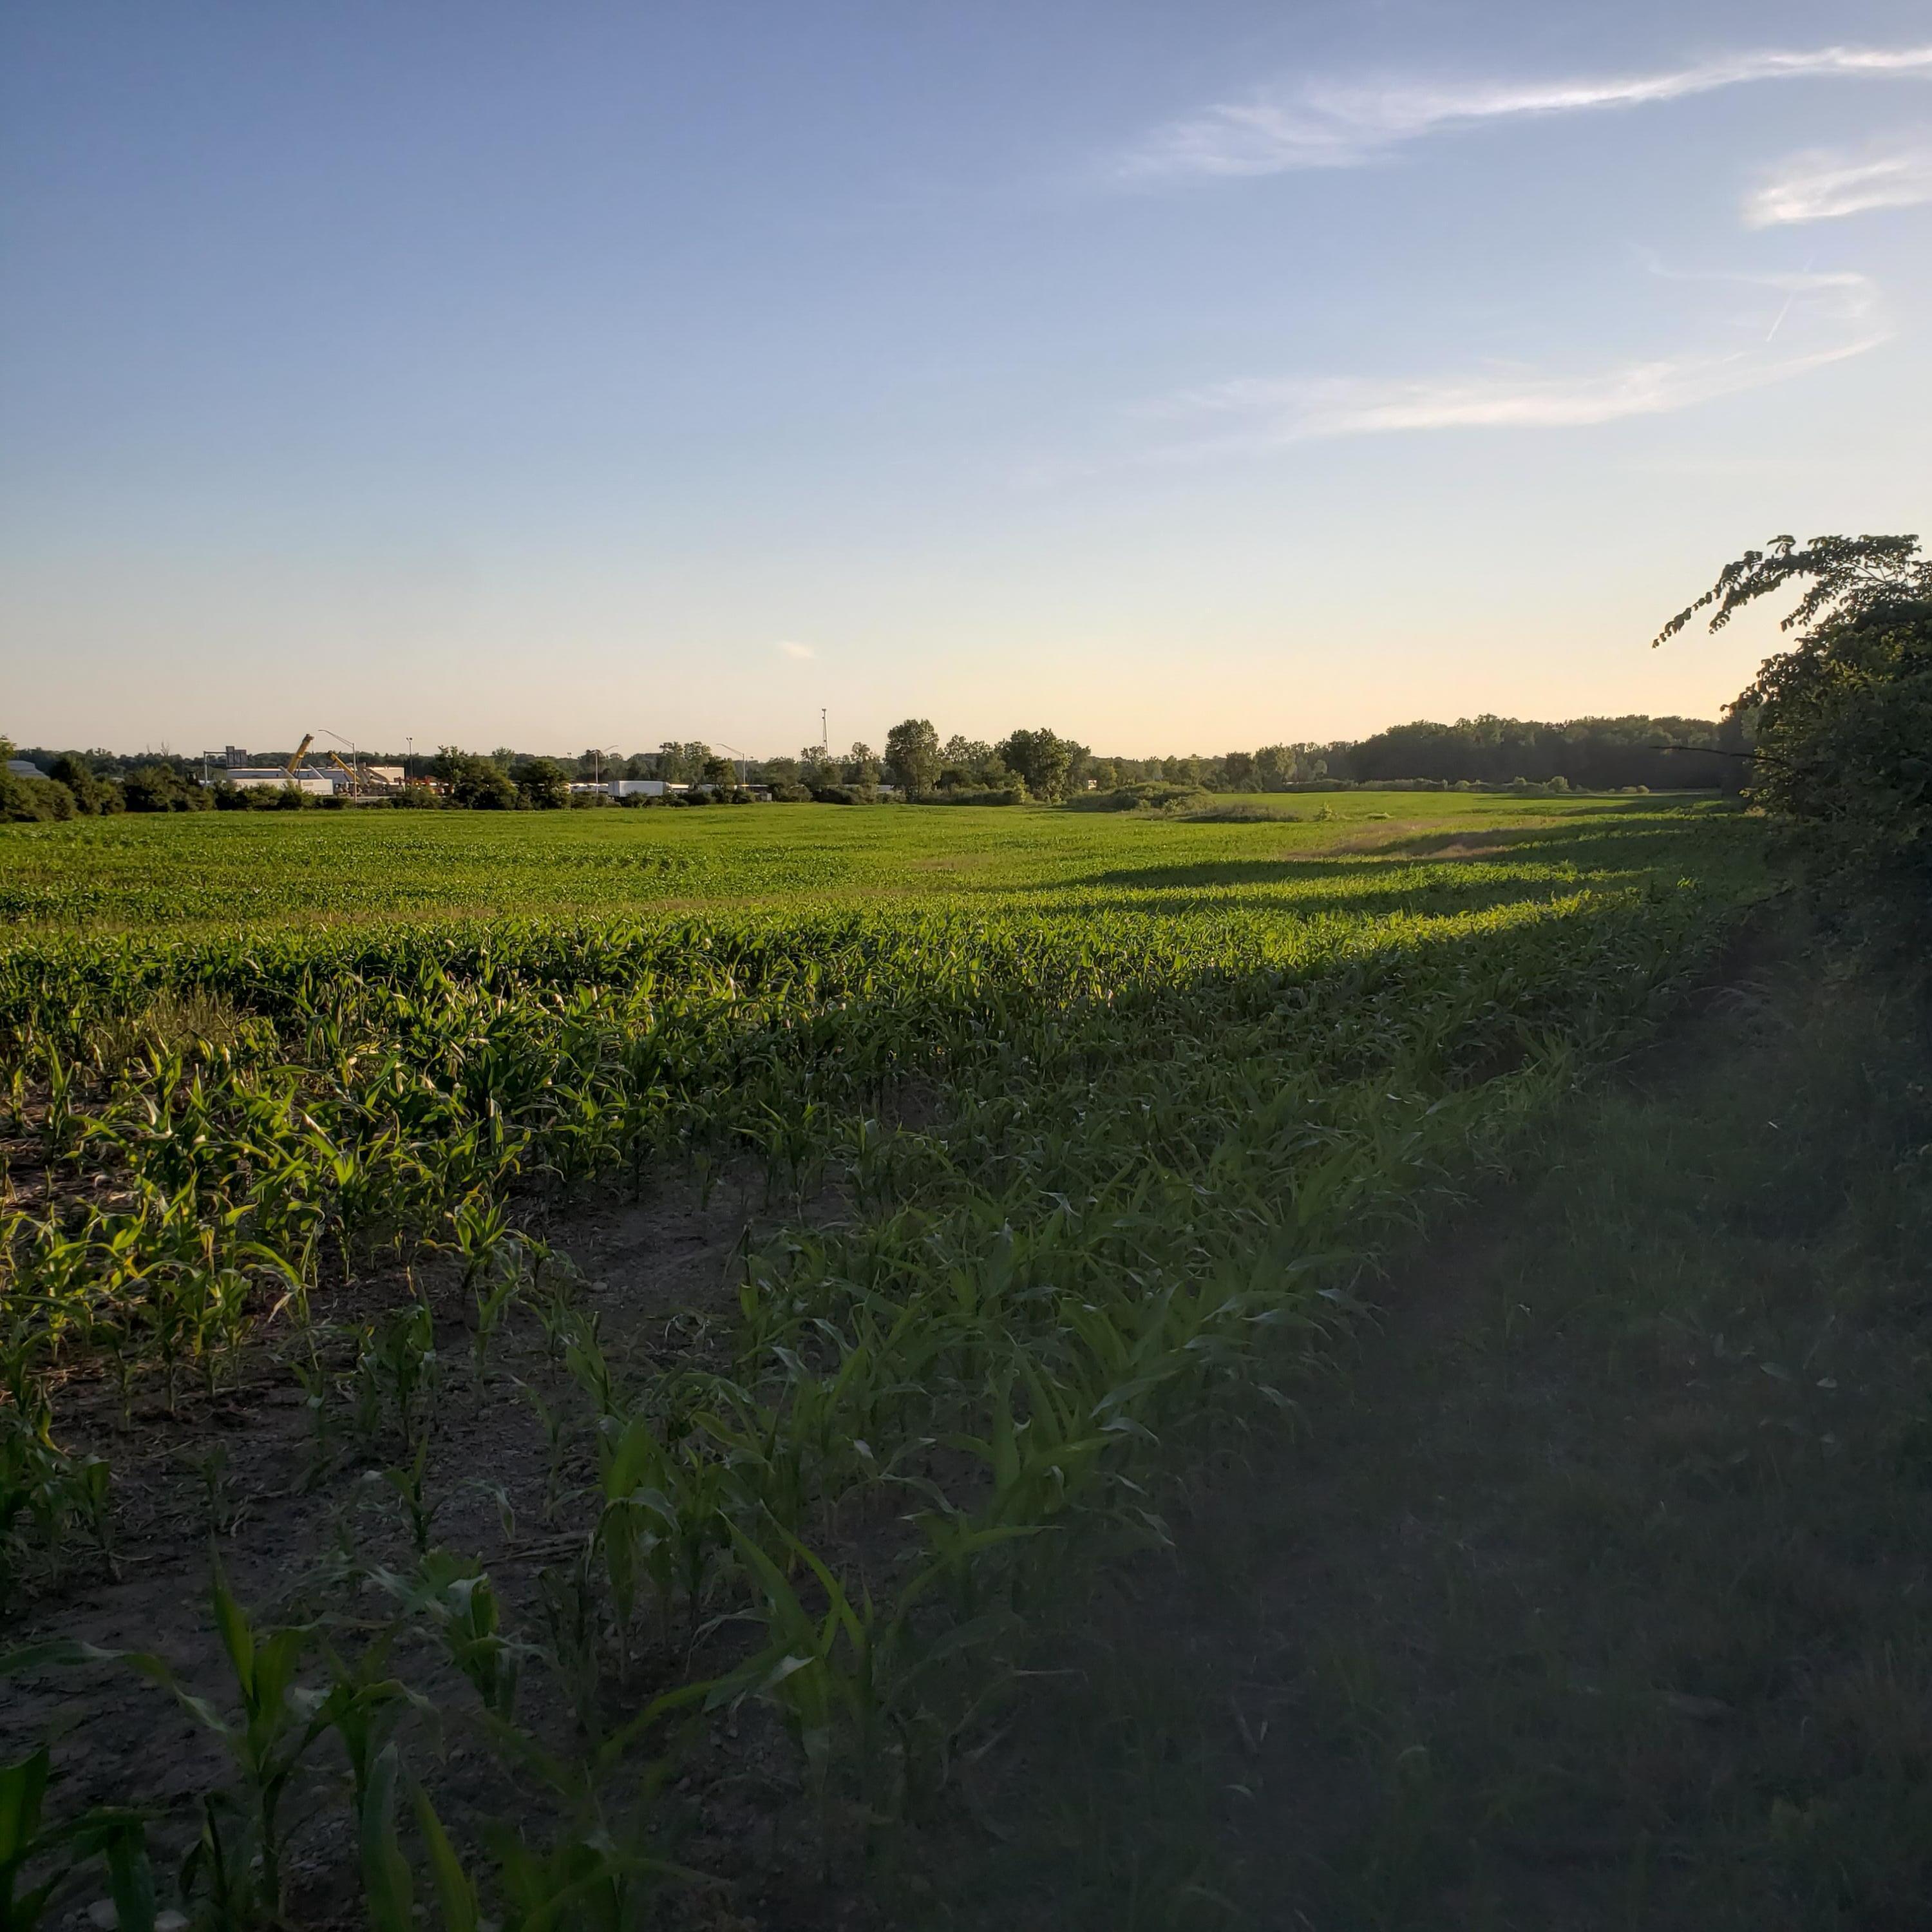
x: 1054, y: 1186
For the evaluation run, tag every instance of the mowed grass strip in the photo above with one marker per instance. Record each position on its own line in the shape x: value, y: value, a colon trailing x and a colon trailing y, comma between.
x: 1590, y: 1593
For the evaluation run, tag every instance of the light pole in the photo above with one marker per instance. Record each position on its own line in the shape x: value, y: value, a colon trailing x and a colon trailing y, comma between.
x: 354, y: 761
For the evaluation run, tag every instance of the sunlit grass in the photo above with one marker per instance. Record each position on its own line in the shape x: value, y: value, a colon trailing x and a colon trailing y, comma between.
x: 140, y: 872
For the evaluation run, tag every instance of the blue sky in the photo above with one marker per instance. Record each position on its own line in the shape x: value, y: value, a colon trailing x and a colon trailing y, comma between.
x: 1183, y: 377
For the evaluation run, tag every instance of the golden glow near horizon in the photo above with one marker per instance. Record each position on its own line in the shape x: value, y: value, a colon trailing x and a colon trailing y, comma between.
x: 608, y: 375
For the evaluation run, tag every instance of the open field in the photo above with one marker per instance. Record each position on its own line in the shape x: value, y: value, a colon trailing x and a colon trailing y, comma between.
x: 141, y: 871
x: 685, y: 1296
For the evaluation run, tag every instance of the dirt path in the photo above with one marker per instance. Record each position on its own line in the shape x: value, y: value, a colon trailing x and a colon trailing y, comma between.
x: 1594, y: 1594
x: 245, y: 1477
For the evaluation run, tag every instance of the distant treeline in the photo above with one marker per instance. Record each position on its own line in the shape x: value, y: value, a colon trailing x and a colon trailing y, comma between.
x: 1591, y: 754
x: 1584, y: 754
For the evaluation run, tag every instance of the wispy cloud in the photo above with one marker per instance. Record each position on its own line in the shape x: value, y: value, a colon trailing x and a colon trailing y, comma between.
x: 1828, y: 318
x: 789, y: 649
x: 1329, y: 125
x: 1822, y: 183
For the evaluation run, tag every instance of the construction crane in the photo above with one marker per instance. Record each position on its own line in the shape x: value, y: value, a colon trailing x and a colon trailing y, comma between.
x: 300, y: 752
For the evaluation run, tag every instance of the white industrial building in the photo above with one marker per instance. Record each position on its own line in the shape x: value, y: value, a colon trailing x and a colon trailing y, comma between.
x: 318, y: 781
x: 304, y: 778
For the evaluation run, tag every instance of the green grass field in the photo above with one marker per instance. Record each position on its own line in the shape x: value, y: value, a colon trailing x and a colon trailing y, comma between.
x: 224, y: 867
x: 693, y: 1291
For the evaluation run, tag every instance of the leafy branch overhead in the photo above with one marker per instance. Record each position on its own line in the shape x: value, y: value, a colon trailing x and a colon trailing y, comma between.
x: 1848, y: 575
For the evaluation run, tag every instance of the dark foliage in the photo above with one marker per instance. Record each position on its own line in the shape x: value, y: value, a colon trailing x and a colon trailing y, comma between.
x: 479, y: 783
x: 1588, y: 754
x: 913, y: 758
x: 24, y: 800
x: 1149, y: 795
x: 542, y: 784
x: 1842, y: 720
x: 160, y: 787
x: 1045, y: 762
x: 92, y: 794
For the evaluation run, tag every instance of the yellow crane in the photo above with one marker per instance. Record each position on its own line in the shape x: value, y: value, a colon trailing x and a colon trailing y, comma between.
x: 300, y: 752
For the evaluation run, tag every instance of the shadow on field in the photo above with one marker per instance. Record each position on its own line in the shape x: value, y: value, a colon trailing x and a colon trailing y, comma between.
x: 1591, y: 1597
x: 1441, y: 899
x: 1609, y: 853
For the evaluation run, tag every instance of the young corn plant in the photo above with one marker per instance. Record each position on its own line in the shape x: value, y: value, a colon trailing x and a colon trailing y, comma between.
x: 555, y: 1421
x: 852, y: 1681
x: 456, y: 1598
x: 43, y: 1490
x: 397, y: 1370
x: 493, y: 1302
x: 608, y: 1878
x: 568, y: 1602
x: 409, y: 1483
x: 235, y: 1867
x: 39, y: 1860
x: 664, y: 1519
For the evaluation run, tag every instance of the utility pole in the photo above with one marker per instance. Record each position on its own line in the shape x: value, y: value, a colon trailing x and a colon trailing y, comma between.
x: 824, y: 736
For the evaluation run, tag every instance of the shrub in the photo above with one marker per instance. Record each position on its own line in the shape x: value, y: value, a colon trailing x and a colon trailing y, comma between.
x: 92, y: 794
x: 24, y: 800
x: 1844, y: 748
x: 156, y: 787
x: 475, y: 782
x: 1151, y: 795
x: 1012, y: 794
x: 543, y: 785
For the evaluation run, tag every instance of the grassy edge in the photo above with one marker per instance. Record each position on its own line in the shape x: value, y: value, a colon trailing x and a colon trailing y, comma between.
x: 1593, y: 1595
